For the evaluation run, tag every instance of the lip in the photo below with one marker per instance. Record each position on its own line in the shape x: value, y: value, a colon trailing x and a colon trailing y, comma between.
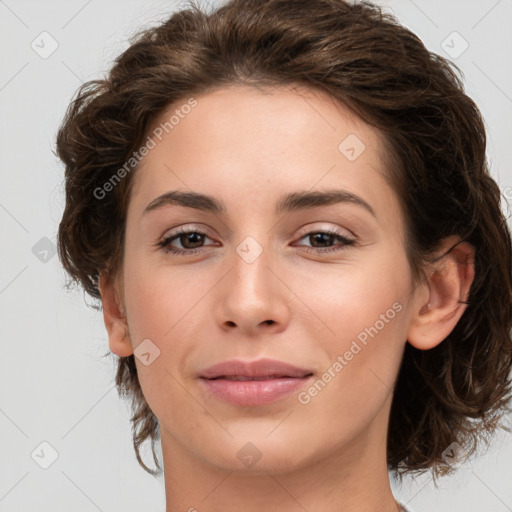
x: 258, y: 368
x: 274, y: 381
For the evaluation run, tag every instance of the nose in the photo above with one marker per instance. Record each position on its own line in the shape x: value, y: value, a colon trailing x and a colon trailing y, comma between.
x: 253, y: 298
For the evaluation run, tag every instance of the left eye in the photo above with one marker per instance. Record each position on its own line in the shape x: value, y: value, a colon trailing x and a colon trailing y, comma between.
x: 192, y: 241
x: 327, y: 237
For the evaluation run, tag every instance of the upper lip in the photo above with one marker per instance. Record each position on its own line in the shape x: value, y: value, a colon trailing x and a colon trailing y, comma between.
x: 259, y: 368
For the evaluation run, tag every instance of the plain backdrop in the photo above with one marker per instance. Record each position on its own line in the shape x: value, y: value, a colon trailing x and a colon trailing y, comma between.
x: 58, y: 404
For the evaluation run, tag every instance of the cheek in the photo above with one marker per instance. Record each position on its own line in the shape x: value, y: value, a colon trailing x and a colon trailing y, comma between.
x: 351, y: 299
x: 163, y: 306
x: 365, y: 311
x: 161, y: 301
x: 363, y: 361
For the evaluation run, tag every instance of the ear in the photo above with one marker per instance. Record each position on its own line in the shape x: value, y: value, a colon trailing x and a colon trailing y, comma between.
x: 449, y: 282
x: 114, y: 318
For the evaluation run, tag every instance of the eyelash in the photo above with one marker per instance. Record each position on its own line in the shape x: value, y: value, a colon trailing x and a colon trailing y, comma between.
x: 165, y: 243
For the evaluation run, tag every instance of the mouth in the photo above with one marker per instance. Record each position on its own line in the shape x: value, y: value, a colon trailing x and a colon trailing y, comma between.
x: 258, y: 369
x: 254, y: 383
x: 253, y: 392
x: 243, y: 378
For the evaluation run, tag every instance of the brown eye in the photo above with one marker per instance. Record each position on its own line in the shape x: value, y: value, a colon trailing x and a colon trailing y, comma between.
x: 321, y: 241
x: 189, y: 242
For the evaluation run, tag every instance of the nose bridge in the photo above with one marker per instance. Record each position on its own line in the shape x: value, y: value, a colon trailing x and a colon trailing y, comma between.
x: 252, y: 294
x: 251, y: 275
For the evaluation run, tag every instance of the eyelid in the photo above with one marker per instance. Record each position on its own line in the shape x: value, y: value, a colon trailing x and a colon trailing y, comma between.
x: 309, y: 228
x: 303, y: 231
x: 186, y: 228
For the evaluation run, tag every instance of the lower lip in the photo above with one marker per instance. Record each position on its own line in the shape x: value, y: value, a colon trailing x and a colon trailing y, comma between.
x: 254, y: 392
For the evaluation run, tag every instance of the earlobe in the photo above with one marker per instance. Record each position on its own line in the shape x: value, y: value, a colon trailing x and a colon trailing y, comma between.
x: 449, y: 284
x: 114, y: 318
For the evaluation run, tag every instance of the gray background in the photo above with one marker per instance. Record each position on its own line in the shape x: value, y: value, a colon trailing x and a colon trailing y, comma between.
x: 55, y: 385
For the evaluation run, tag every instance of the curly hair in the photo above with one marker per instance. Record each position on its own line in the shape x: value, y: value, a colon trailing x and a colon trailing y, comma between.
x: 435, y: 150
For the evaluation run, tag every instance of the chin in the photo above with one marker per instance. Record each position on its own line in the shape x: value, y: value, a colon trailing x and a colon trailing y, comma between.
x: 269, y: 463
x: 253, y: 455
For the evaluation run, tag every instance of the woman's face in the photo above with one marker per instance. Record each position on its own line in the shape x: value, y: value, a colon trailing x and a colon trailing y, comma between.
x: 261, y: 277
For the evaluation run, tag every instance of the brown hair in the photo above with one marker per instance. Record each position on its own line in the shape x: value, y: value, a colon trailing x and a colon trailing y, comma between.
x: 436, y: 141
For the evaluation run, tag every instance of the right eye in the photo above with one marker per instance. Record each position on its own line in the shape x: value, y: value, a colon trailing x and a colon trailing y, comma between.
x: 191, y: 241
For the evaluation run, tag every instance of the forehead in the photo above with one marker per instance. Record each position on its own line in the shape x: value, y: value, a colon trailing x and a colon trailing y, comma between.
x: 278, y: 116
x: 257, y: 142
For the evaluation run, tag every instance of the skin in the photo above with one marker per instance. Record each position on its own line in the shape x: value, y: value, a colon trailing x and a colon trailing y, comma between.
x: 247, y: 147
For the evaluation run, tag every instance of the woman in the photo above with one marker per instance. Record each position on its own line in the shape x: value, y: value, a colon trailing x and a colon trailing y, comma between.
x: 287, y: 215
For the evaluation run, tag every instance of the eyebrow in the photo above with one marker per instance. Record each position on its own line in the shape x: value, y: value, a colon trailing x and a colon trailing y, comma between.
x: 288, y: 203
